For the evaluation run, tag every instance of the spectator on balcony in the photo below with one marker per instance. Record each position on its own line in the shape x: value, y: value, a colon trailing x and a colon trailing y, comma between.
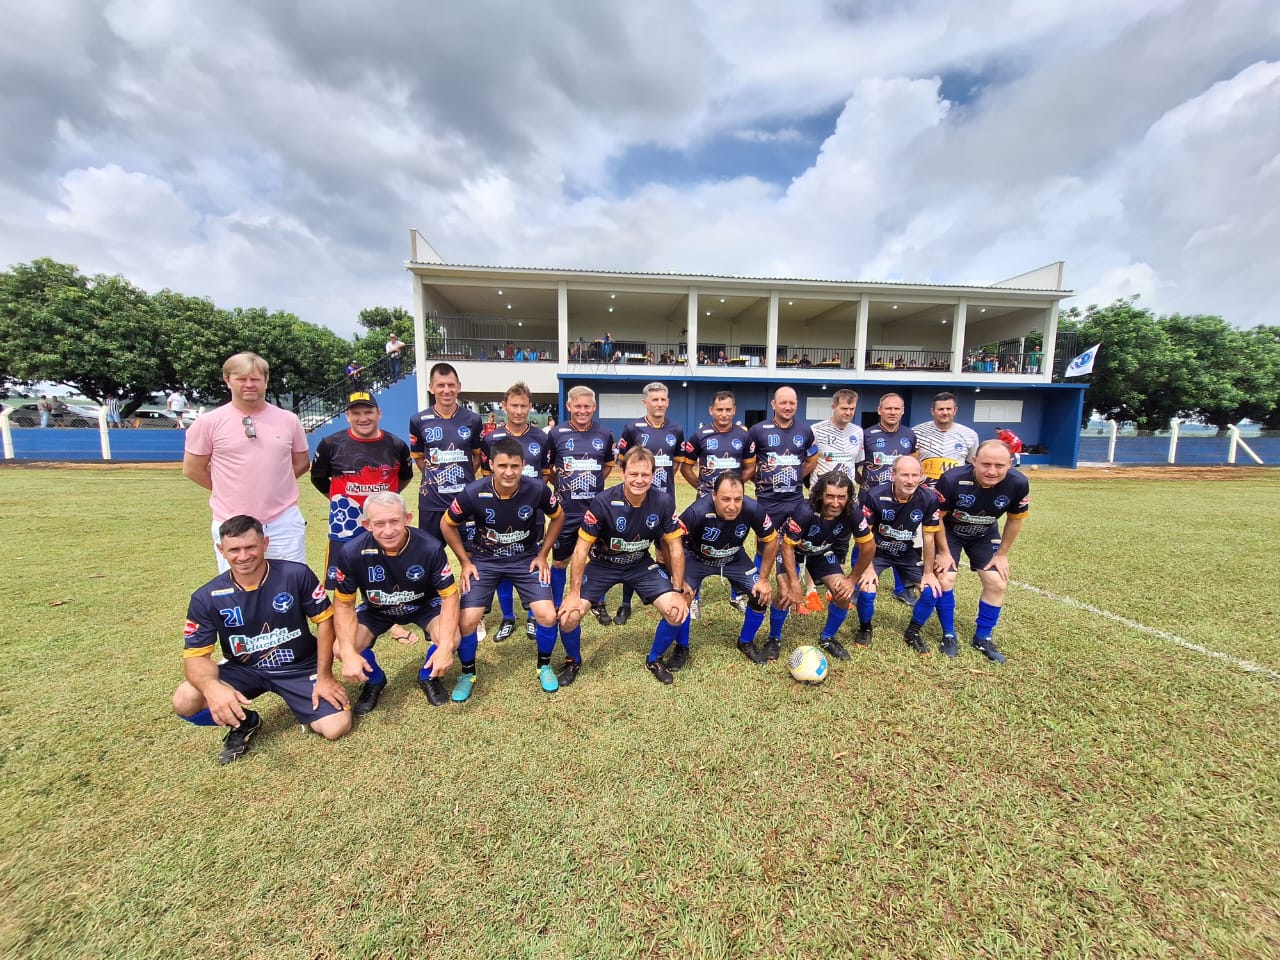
x: 509, y: 350
x: 805, y: 361
x: 703, y: 359
x: 722, y: 360
x: 1033, y: 361
x: 519, y: 357
x: 393, y: 348
x: 648, y: 356
x: 608, y: 348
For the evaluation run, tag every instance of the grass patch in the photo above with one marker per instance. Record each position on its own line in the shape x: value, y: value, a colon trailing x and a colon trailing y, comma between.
x: 1106, y: 794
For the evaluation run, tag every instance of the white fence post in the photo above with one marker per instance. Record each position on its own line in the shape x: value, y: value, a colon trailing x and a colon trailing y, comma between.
x: 1111, y: 444
x: 1174, y: 424
x: 104, y: 435
x: 5, y: 433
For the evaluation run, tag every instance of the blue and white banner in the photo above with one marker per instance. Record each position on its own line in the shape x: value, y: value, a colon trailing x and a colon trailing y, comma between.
x: 1084, y: 363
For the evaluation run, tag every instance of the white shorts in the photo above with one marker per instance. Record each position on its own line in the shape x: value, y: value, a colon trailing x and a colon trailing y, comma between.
x: 287, y: 533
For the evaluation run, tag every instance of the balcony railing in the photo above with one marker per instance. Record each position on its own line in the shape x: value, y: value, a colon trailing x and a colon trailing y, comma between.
x: 1029, y: 363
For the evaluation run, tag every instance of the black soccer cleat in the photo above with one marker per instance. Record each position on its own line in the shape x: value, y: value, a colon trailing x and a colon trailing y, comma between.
x: 915, y: 641
x: 949, y: 647
x: 506, y: 630
x: 370, y: 693
x: 908, y: 596
x: 434, y: 689
x: 677, y: 658
x: 834, y: 647
x: 601, y: 613
x: 987, y: 647
x: 660, y: 672
x: 623, y: 615
x: 569, y: 672
x: 236, y: 743
x: 748, y: 650
x: 863, y: 637
x: 772, y: 649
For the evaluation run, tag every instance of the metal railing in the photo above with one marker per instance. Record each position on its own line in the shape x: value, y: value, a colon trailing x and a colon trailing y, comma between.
x: 320, y: 408
x: 887, y: 358
x: 1022, y: 363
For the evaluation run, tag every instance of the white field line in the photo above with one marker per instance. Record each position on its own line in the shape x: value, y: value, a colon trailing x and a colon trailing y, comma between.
x: 1248, y: 666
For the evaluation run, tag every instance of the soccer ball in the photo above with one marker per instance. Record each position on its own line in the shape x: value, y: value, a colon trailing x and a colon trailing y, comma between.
x: 808, y: 664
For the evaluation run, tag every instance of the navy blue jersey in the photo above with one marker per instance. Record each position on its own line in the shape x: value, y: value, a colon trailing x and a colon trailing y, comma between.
x: 714, y: 453
x: 533, y: 441
x: 445, y: 446
x: 895, y: 522
x: 715, y: 540
x: 811, y: 536
x: 578, y: 462
x: 622, y: 534
x: 664, y: 442
x: 971, y: 510
x: 505, y: 526
x: 880, y: 448
x: 781, y: 453
x: 402, y: 584
x: 266, y: 627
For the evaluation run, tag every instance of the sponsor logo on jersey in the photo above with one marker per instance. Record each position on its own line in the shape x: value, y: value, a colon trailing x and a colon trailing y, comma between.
x: 283, y: 602
x: 318, y: 593
x: 189, y: 629
x: 242, y: 645
x: 589, y: 517
x: 387, y: 598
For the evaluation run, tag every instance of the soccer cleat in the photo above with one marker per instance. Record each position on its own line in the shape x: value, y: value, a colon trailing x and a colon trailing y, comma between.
x: 506, y: 630
x: 531, y: 628
x: 863, y: 637
x: 368, y: 699
x: 834, y: 647
x: 481, y: 632
x: 915, y: 641
x: 908, y: 596
x: 677, y: 658
x: 601, y: 614
x: 772, y: 649
x: 462, y: 689
x: 547, y: 677
x: 987, y: 647
x: 623, y: 614
x: 949, y: 647
x: 739, y: 603
x: 433, y: 687
x: 236, y: 743
x: 660, y: 672
x: 749, y: 651
x: 569, y: 672
x: 695, y: 609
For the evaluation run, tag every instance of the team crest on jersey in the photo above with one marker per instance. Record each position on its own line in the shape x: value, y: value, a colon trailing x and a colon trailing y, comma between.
x: 318, y: 593
x: 535, y: 448
x: 525, y: 512
x: 1001, y: 502
x: 916, y: 516
x: 798, y: 440
x: 651, y: 521
x: 736, y: 443
x: 597, y: 443
x: 282, y: 602
x: 416, y: 572
x: 189, y: 629
x: 464, y: 433
x: 740, y: 531
x: 904, y: 443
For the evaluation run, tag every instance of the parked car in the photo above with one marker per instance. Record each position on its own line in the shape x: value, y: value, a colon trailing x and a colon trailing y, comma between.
x: 76, y: 415
x: 148, y: 419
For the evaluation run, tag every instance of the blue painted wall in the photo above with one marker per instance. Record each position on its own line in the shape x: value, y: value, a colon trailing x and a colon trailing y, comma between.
x: 398, y: 403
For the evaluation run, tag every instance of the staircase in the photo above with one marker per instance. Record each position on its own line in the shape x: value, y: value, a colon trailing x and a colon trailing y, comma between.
x: 320, y: 410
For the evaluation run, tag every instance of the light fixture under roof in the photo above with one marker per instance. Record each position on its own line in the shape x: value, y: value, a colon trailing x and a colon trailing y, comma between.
x: 944, y: 319
x: 791, y: 303
x: 722, y: 299
x: 611, y: 309
x: 613, y: 296
x: 519, y: 323
x: 708, y: 313
x: 499, y: 293
x: 895, y: 306
x: 983, y: 310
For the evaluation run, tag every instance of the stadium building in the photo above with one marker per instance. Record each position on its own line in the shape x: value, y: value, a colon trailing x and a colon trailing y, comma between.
x: 993, y: 346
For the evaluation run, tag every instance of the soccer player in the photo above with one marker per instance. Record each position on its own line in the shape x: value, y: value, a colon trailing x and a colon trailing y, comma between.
x: 507, y: 509
x: 259, y: 615
x: 351, y: 465
x: 581, y: 454
x: 405, y: 578
x: 516, y: 405
x: 614, y: 541
x: 820, y: 532
x: 882, y: 444
x: 719, y: 448
x: 839, y: 439
x: 715, y: 528
x: 974, y: 497
x: 444, y: 440
x: 665, y: 439
x: 899, y: 512
x: 941, y: 443
x: 785, y: 456
x: 249, y: 454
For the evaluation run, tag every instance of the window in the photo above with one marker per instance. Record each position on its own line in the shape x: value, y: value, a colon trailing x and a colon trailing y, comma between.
x: 1003, y: 412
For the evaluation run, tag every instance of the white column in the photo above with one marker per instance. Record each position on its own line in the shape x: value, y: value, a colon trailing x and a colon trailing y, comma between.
x: 1050, y: 345
x: 957, y: 335
x: 771, y: 333
x: 562, y: 322
x: 860, y: 335
x: 420, y: 368
x: 691, y: 320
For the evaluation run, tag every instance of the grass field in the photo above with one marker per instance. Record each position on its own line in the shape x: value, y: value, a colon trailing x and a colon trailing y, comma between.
x: 1105, y: 794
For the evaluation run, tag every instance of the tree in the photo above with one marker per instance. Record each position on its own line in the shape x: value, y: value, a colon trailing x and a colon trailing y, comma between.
x: 381, y: 321
x: 1259, y: 376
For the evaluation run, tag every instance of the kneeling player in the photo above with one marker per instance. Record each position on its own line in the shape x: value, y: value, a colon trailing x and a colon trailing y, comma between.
x: 405, y: 578
x: 276, y: 599
x: 618, y: 530
x: 820, y: 531
x: 507, y: 509
x: 715, y: 528
x: 897, y: 511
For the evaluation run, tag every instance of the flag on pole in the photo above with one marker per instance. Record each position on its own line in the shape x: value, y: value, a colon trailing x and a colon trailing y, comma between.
x: 1084, y: 363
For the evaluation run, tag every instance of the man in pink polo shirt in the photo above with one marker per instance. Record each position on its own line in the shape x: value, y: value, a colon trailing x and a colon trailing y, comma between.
x: 249, y: 454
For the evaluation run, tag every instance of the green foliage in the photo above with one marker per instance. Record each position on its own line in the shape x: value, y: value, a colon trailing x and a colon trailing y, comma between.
x: 102, y: 335
x: 381, y: 321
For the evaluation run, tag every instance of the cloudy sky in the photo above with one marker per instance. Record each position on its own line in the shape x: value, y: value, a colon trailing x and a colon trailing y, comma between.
x: 277, y: 153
